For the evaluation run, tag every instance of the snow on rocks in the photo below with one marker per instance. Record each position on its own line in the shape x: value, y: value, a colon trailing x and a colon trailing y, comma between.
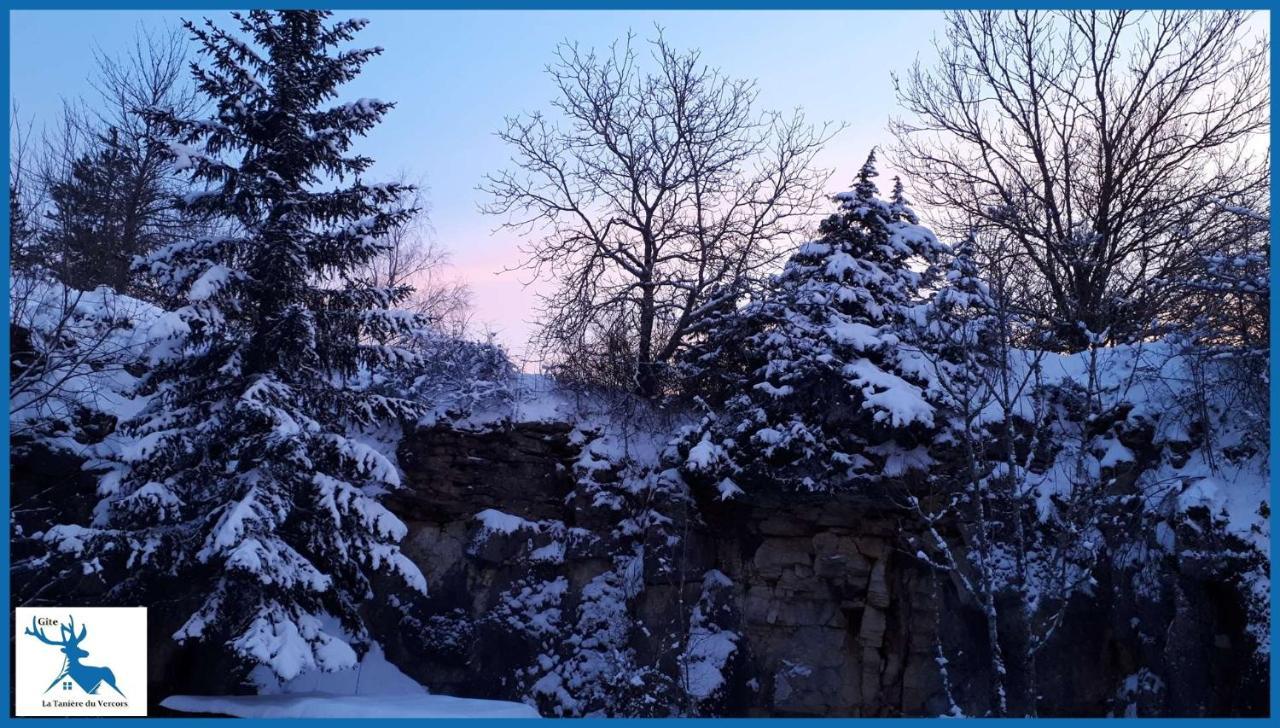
x: 709, y: 646
x: 494, y: 521
x: 79, y: 343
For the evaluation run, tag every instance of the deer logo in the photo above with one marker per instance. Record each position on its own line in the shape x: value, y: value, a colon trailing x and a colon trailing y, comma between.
x: 89, y: 678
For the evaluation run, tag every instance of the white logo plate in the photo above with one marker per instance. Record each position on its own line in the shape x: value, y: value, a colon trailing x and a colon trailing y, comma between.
x: 80, y: 661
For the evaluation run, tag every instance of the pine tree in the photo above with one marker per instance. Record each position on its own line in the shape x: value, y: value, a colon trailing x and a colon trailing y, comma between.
x: 955, y: 332
x: 24, y: 251
x: 714, y: 364
x: 112, y: 203
x: 900, y: 205
x: 84, y: 231
x: 828, y: 331
x: 243, y: 479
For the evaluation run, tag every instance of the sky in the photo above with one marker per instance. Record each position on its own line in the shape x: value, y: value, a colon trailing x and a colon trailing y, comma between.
x: 456, y: 74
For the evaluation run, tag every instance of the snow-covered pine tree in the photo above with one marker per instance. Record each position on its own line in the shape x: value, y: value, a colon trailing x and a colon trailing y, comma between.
x: 244, y: 478
x: 828, y: 331
x: 954, y: 335
x: 714, y: 365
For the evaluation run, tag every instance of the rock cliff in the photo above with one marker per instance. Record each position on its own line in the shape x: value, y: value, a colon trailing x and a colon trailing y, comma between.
x: 834, y: 617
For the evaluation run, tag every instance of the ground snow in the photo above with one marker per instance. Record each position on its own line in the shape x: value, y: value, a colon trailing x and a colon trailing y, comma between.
x: 322, y: 705
x: 373, y: 689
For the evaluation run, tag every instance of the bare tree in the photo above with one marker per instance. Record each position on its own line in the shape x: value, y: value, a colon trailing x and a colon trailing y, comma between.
x: 414, y: 257
x: 1098, y: 142
x: 1007, y: 444
x: 109, y: 184
x: 1224, y: 315
x: 655, y: 194
x: 22, y: 228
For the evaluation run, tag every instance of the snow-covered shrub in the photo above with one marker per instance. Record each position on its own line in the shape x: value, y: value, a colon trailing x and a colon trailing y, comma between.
x: 1097, y: 472
x: 453, y: 376
x: 575, y: 646
x: 1224, y: 300
x: 74, y: 358
x: 594, y: 668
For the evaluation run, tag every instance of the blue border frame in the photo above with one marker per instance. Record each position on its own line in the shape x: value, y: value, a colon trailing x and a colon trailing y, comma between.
x: 605, y: 5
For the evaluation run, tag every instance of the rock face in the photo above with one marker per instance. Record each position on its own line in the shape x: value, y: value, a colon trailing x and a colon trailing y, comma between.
x: 835, y: 622
x: 835, y: 619
x: 832, y: 623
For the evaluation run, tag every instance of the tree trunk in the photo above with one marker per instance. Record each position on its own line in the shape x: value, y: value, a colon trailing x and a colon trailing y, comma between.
x: 646, y: 367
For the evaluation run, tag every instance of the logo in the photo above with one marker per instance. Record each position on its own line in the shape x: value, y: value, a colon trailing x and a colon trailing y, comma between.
x: 81, y: 661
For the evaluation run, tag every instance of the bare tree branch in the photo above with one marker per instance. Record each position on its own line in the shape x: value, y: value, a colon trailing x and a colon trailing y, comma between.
x: 651, y: 193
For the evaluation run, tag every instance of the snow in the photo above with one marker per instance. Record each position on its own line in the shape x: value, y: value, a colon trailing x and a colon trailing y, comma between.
x: 709, y: 646
x: 1115, y: 454
x: 892, y: 396
x: 495, y: 521
x: 167, y: 331
x: 321, y: 705
x: 856, y: 334
x: 704, y: 456
x: 728, y: 489
x: 364, y: 106
x: 552, y: 553
x: 1154, y: 377
x: 209, y: 283
x: 374, y: 688
x: 368, y: 460
x: 107, y: 330
x: 814, y: 249
x: 533, y: 608
x: 1203, y: 493
x: 290, y: 646
x: 538, y: 398
x: 707, y: 653
x: 775, y: 391
x: 68, y: 537
x: 768, y: 436
x: 374, y: 675
x: 184, y: 156
x: 840, y: 263
x: 898, y: 462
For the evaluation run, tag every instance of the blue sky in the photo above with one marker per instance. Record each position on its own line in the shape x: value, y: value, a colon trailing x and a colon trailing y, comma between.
x: 456, y: 74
